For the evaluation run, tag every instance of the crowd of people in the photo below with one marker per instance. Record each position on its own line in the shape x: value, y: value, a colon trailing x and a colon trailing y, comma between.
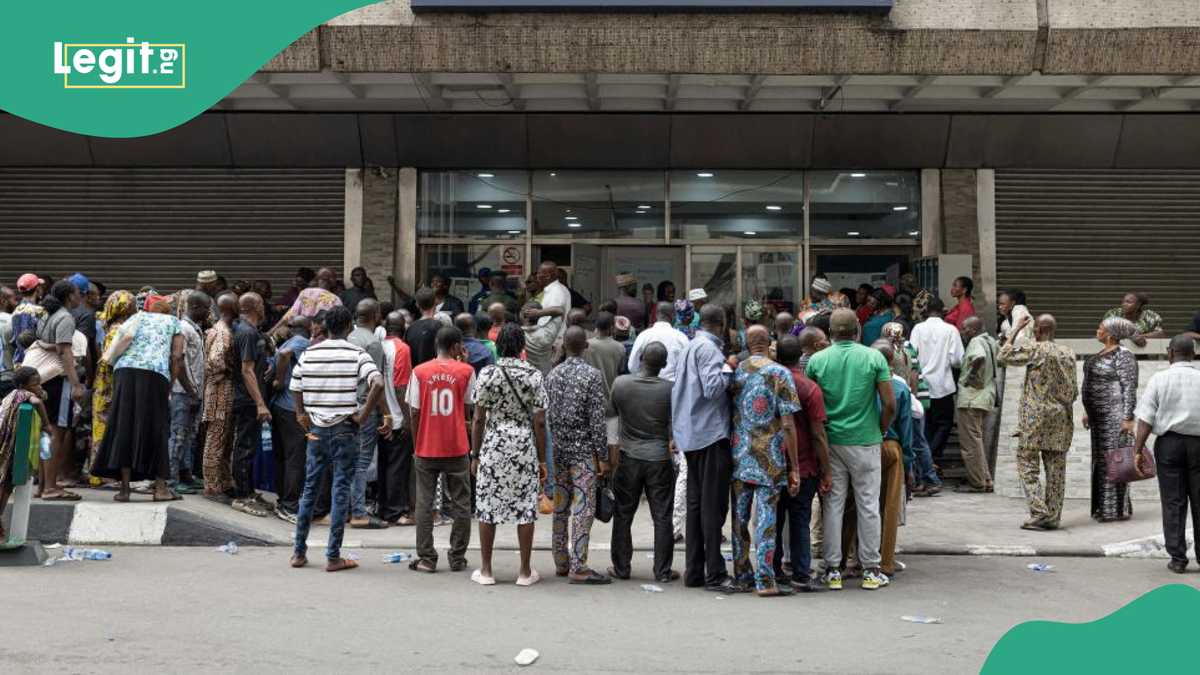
x: 808, y: 427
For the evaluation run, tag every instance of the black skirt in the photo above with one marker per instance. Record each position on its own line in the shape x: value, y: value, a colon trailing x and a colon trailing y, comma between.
x: 139, y: 425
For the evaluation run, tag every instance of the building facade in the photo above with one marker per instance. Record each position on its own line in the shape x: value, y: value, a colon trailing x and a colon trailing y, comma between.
x: 741, y: 150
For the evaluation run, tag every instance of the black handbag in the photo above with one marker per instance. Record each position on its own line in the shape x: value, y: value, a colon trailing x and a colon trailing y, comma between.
x: 606, y: 501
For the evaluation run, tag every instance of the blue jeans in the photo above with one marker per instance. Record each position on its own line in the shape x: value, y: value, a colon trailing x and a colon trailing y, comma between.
x: 368, y: 439
x: 796, y: 513
x: 923, y: 473
x: 336, y: 446
x: 185, y: 424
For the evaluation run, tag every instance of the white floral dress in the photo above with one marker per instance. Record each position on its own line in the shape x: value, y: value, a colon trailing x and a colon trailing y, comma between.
x: 506, y: 488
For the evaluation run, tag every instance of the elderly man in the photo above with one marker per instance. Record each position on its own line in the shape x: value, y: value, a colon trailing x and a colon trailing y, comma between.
x: 662, y: 331
x: 628, y: 305
x: 1170, y: 408
x: 976, y: 398
x: 218, y: 401
x: 764, y: 459
x: 818, y: 300
x: 1045, y: 426
x: 853, y: 377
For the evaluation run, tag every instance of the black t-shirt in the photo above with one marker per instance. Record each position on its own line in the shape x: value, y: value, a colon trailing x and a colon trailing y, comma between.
x: 422, y: 340
x: 249, y: 344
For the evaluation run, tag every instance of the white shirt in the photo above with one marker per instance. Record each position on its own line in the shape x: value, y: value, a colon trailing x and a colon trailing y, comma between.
x: 556, y: 295
x: 1170, y: 402
x: 1018, y: 312
x: 939, y: 349
x: 671, y: 338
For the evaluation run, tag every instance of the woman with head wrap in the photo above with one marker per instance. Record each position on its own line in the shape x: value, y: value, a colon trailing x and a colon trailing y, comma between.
x: 119, y: 307
x: 684, y: 315
x: 1110, y: 379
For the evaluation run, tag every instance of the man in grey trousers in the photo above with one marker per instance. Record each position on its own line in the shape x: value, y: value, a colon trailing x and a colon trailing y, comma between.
x: 857, y: 384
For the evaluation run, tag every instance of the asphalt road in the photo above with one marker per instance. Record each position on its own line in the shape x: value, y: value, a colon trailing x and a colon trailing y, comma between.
x: 190, y: 610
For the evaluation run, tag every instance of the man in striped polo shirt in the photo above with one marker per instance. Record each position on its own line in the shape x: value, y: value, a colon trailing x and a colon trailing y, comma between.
x: 327, y: 379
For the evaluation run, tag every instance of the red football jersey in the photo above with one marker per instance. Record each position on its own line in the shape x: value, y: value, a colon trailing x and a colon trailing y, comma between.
x: 438, y: 393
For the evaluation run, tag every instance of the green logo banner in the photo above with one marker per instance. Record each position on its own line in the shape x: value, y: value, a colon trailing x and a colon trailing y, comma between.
x: 136, y: 67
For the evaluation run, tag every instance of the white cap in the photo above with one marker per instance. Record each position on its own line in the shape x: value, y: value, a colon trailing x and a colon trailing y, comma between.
x: 697, y: 294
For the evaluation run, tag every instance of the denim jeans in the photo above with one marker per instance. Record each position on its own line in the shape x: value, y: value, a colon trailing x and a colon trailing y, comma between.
x: 795, y: 513
x: 923, y: 473
x: 336, y: 446
x: 185, y: 424
x: 368, y: 439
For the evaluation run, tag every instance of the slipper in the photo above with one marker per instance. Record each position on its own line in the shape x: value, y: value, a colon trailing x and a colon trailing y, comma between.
x: 592, y: 578
x: 419, y: 565
x: 64, y: 497
x: 404, y: 521
x: 220, y: 498
x: 669, y: 577
x: 478, y: 577
x: 530, y: 580
x: 173, y: 498
x: 339, y: 564
x: 299, y: 561
x: 372, y: 523
x: 249, y: 507
x: 121, y: 497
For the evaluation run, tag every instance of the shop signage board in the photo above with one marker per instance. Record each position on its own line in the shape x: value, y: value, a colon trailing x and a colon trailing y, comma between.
x: 649, y: 5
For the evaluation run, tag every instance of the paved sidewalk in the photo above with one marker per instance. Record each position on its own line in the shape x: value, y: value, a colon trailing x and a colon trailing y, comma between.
x: 949, y: 524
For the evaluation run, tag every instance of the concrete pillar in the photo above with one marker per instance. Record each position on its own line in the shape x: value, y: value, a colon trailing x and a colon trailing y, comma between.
x: 379, y: 229
x: 405, y: 269
x: 931, y: 212
x: 352, y: 235
x: 985, y: 205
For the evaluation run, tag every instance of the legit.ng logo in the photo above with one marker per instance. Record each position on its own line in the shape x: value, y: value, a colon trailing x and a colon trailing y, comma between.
x: 121, y: 65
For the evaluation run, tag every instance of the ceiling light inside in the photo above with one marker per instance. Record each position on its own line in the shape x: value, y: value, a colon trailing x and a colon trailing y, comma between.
x: 705, y: 174
x: 574, y: 224
x: 749, y: 234
x: 514, y: 231
x: 853, y: 234
x: 483, y: 206
x: 503, y: 210
x: 644, y: 206
x: 774, y: 208
x: 572, y: 218
x: 858, y: 175
x: 914, y: 233
x: 899, y: 208
x: 485, y: 175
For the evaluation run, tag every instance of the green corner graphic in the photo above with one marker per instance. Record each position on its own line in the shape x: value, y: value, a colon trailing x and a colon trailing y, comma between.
x: 1152, y: 634
x: 136, y: 67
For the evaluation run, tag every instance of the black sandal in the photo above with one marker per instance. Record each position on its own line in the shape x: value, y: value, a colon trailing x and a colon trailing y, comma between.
x: 593, y: 578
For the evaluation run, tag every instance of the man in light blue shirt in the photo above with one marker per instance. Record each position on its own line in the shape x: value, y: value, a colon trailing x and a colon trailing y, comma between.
x: 700, y: 424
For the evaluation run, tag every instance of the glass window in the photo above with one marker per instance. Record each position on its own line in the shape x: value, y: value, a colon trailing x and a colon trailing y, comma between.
x: 865, y: 205
x: 769, y: 277
x: 485, y: 204
x: 460, y: 265
x: 714, y: 272
x: 737, y: 204
x: 599, y: 204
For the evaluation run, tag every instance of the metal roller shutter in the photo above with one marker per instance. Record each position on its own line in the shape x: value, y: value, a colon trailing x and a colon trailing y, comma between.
x: 130, y: 228
x: 1077, y: 241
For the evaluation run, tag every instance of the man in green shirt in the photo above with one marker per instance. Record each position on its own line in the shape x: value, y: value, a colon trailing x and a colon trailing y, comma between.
x: 976, y: 398
x: 857, y: 384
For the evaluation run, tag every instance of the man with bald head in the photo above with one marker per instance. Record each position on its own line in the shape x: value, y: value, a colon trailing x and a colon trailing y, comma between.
x: 478, y: 354
x: 366, y: 320
x: 976, y: 398
x: 575, y: 417
x: 250, y: 352
x: 764, y: 459
x: 860, y: 406
x: 218, y: 401
x: 1046, y: 423
x: 812, y: 340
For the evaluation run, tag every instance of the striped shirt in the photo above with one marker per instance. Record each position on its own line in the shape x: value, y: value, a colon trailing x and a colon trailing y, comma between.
x: 327, y: 377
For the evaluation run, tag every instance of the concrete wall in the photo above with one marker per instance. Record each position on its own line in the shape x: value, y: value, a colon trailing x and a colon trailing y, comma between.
x: 379, y: 226
x: 960, y: 224
x: 1079, y: 470
x: 997, y: 37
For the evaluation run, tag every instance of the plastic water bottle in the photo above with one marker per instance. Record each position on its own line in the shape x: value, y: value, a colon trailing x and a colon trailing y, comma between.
x: 266, y: 437
x: 44, y: 447
x: 396, y: 557
x: 72, y: 553
x: 231, y: 548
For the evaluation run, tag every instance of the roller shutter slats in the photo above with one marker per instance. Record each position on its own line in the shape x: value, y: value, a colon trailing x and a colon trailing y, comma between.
x: 1076, y: 241
x: 134, y: 227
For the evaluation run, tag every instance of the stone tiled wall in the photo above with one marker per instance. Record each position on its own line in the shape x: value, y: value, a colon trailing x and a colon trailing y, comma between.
x: 960, y: 219
x: 379, y: 227
x: 1078, y: 458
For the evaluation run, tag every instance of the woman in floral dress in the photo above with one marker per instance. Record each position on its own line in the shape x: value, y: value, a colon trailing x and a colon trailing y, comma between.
x: 1110, y: 382
x: 509, y: 433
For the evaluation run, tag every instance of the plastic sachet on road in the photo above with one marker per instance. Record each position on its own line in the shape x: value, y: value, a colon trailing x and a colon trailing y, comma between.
x: 397, y: 557
x: 70, y: 554
x: 526, y: 657
x: 921, y: 619
x: 231, y: 548
x: 1040, y: 567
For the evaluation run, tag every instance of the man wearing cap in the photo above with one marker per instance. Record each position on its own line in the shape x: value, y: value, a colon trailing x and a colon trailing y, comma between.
x: 207, y: 282
x: 624, y: 333
x: 498, y: 294
x: 27, y: 314
x: 85, y: 318
x: 628, y: 306
x: 818, y: 300
x: 485, y: 283
x: 697, y: 296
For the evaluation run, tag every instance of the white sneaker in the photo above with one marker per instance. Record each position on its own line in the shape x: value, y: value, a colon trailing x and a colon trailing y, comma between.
x: 478, y: 577
x: 530, y: 580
